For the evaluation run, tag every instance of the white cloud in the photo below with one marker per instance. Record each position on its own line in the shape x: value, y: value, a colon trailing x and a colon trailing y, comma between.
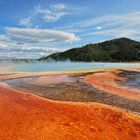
x: 58, y: 6
x: 3, y: 46
x: 26, y: 22
x: 4, y: 38
x: 112, y: 25
x: 40, y: 35
x: 49, y: 14
x: 20, y: 42
x: 26, y: 52
x: 98, y: 27
x: 53, y: 13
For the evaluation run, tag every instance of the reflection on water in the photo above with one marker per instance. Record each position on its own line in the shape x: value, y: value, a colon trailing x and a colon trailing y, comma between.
x: 65, y: 66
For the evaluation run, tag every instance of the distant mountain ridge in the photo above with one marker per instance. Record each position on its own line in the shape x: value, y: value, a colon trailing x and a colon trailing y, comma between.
x: 116, y: 50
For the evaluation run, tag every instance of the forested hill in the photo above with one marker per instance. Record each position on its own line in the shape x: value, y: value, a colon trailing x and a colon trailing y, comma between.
x: 116, y: 50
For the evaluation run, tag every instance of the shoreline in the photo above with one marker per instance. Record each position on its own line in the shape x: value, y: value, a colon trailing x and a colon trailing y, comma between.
x: 11, y: 68
x: 68, y: 71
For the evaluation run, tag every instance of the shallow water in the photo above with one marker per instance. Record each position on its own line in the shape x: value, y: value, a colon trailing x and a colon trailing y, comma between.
x: 67, y: 66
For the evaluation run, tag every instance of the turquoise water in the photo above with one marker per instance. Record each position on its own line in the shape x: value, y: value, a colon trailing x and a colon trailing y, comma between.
x: 67, y: 66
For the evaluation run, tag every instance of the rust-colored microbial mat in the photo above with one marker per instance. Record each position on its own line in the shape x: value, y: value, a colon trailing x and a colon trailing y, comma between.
x: 24, y: 116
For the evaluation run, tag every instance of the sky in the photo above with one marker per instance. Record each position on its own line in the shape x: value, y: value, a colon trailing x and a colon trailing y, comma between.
x: 36, y: 28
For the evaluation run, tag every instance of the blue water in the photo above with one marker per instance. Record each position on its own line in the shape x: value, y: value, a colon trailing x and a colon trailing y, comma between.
x: 67, y: 66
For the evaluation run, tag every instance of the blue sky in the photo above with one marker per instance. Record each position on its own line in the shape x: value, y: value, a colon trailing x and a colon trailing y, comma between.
x: 34, y: 28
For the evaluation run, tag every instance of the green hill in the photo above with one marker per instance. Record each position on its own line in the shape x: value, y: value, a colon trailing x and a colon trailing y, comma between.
x: 116, y: 50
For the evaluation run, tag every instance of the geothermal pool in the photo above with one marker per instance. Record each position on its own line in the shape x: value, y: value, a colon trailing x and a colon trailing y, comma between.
x: 67, y: 66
